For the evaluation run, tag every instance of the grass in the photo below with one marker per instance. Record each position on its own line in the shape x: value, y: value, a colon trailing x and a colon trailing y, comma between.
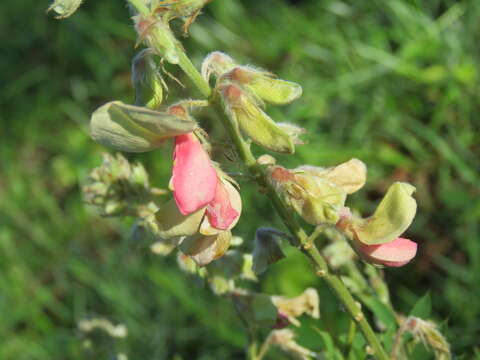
x: 393, y: 83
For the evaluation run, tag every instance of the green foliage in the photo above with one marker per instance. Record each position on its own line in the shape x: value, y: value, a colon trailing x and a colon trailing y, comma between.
x: 393, y: 83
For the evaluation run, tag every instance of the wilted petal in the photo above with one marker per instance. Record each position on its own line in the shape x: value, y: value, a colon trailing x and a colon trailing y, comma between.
x: 266, y: 249
x: 224, y: 210
x: 194, y: 179
x: 204, y: 249
x: 306, y: 303
x: 394, y: 253
x: 169, y: 222
x: 392, y: 217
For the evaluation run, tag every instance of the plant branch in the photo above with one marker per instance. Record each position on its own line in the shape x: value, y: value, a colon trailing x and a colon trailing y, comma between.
x: 301, y: 238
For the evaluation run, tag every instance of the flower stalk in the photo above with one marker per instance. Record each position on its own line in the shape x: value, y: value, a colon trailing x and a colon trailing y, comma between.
x: 300, y: 236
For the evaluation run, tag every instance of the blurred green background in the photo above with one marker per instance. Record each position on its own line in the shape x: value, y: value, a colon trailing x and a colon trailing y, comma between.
x: 394, y: 83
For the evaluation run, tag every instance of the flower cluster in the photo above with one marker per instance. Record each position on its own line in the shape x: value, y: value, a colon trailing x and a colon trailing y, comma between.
x: 318, y: 195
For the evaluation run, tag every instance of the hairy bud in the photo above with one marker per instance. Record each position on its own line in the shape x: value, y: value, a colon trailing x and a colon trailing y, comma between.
x: 254, y: 122
x: 264, y: 85
x: 147, y: 81
x: 135, y: 129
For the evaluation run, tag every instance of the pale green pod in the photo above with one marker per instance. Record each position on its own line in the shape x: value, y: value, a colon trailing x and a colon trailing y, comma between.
x: 64, y: 8
x: 255, y: 123
x: 392, y: 217
x: 170, y: 223
x: 135, y: 129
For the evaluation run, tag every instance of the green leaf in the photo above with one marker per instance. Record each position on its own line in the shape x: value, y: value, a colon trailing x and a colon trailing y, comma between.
x: 392, y: 217
x: 135, y: 129
x: 381, y: 312
x: 264, y: 312
x: 423, y: 307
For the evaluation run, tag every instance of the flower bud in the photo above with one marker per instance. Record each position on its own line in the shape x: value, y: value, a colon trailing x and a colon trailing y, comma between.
x: 350, y: 176
x: 293, y: 131
x: 135, y: 129
x: 427, y: 333
x: 316, y: 200
x: 64, y: 8
x: 266, y: 249
x: 216, y: 63
x: 158, y: 36
x: 265, y: 86
x: 194, y: 179
x: 254, y: 122
x: 186, y: 9
x: 147, y: 81
x: 120, y: 188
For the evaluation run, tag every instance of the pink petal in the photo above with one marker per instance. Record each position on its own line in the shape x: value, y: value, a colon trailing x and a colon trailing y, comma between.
x: 395, y: 253
x: 194, y: 179
x: 221, y: 212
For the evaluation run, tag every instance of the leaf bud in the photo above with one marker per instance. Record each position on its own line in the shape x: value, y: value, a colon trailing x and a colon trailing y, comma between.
x: 158, y: 36
x: 147, y: 81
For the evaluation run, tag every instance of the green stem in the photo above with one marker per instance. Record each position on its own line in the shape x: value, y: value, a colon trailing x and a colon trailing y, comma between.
x: 259, y: 173
x: 252, y: 346
x: 190, y: 70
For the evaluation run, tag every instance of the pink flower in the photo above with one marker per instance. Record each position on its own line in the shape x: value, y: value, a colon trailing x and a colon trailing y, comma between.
x: 220, y: 211
x: 194, y: 179
x: 395, y: 253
